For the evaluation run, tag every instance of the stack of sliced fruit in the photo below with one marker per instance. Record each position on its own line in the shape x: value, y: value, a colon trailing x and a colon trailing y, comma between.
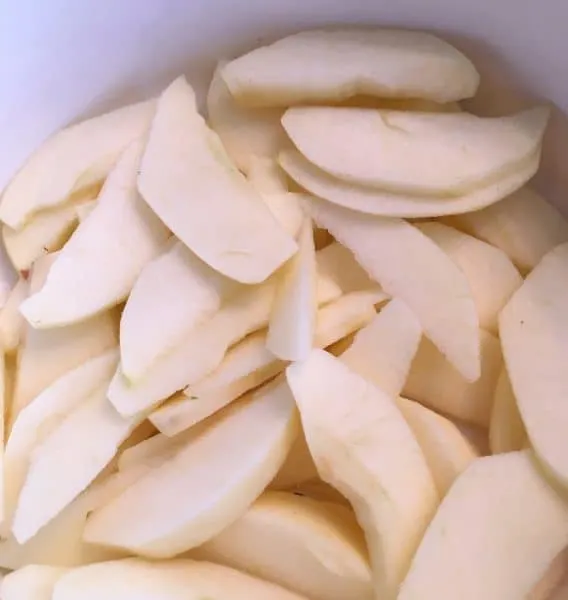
x: 231, y: 347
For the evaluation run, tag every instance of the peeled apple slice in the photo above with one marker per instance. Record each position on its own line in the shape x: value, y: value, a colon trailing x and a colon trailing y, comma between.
x: 298, y: 467
x: 98, y: 266
x: 313, y: 548
x: 382, y: 352
x: 491, y: 275
x: 266, y: 176
x: 180, y: 292
x: 494, y: 535
x: 436, y: 154
x: 447, y: 451
x: 379, y: 202
x: 506, y: 429
x: 191, y: 184
x: 534, y: 334
x: 409, y: 266
x: 156, y: 517
x: 12, y: 322
x: 435, y: 382
x: 319, y: 66
x: 33, y: 582
x: 72, y: 160
x: 524, y: 225
x: 133, y: 578
x: 246, y: 133
x: 338, y: 263
x: 363, y: 447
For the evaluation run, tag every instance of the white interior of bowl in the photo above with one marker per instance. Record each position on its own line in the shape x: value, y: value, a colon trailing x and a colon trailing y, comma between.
x: 62, y: 59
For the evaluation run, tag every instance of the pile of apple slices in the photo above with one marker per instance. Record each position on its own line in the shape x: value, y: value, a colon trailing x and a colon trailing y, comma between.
x: 239, y: 363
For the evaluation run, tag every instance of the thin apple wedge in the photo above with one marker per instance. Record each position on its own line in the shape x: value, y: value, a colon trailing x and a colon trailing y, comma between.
x: 426, y: 154
x: 534, y: 335
x: 246, y: 133
x: 379, y: 202
x: 382, y: 352
x: 491, y: 275
x: 155, y: 517
x: 319, y: 66
x: 98, y: 266
x: 72, y: 160
x: 34, y: 582
x: 362, y: 446
x: 325, y: 556
x: 12, y: 322
x: 181, y: 292
x: 506, y: 429
x: 524, y: 225
x: 447, y: 451
x: 409, y: 266
x: 133, y: 578
x: 494, y: 535
x: 191, y: 184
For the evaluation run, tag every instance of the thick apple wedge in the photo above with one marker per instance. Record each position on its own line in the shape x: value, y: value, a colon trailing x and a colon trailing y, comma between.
x: 191, y: 184
x: 136, y: 579
x: 180, y: 292
x: 494, y: 535
x: 410, y: 266
x: 378, y: 202
x: 319, y: 66
x: 12, y: 322
x: 157, y: 517
x: 34, y: 582
x: 313, y: 548
x: 72, y: 160
x: 362, y: 446
x: 426, y: 154
x: 98, y: 266
x: 506, y: 429
x: 534, y: 335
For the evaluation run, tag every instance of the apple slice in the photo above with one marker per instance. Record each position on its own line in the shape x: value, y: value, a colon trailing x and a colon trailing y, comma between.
x: 362, y: 446
x: 339, y: 264
x: 447, y: 451
x: 266, y: 176
x: 491, y: 275
x: 534, y: 335
x: 325, y: 555
x: 298, y: 467
x: 34, y: 582
x: 12, y: 323
x: 494, y: 535
x: 305, y: 68
x: 155, y: 517
x: 382, y: 352
x: 246, y: 133
x: 524, y: 225
x: 432, y: 154
x: 292, y: 324
x: 180, y: 292
x: 191, y: 184
x: 409, y: 266
x: 101, y: 261
x: 506, y: 429
x: 72, y: 160
x: 78, y: 448
x: 133, y: 578
x: 435, y: 382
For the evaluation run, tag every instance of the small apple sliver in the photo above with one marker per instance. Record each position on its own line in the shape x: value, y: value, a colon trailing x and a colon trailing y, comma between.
x: 534, y: 335
x: 410, y: 266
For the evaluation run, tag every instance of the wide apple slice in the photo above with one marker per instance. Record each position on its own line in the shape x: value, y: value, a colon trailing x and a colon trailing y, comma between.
x: 34, y: 582
x: 524, y: 225
x: 319, y: 66
x: 156, y: 517
x: 246, y: 133
x: 382, y: 352
x: 534, y: 335
x: 180, y: 292
x: 435, y: 382
x: 491, y: 275
x: 447, y: 451
x: 191, y: 184
x: 379, y: 202
x: 99, y: 264
x: 409, y: 266
x: 135, y: 579
x: 313, y: 548
x: 362, y: 446
x: 494, y: 535
x: 72, y: 160
x: 12, y: 322
x: 434, y: 154
x: 506, y: 429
